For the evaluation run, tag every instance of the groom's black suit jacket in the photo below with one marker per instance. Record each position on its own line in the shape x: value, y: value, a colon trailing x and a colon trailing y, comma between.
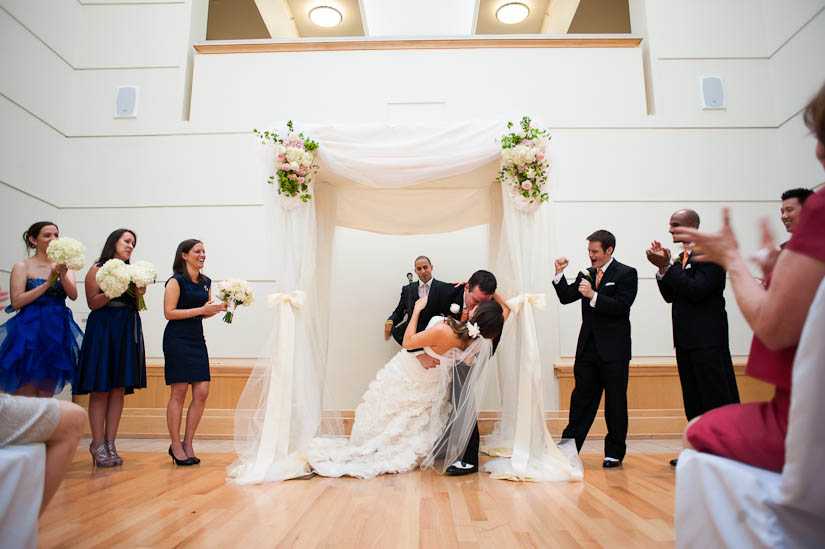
x: 609, y: 321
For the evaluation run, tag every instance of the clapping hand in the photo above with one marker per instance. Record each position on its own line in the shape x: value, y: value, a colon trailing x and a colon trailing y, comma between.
x: 767, y: 255
x: 659, y: 256
x: 720, y: 247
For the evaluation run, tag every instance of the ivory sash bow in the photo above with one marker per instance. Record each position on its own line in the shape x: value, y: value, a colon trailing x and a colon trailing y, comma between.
x: 277, y: 419
x: 529, y: 379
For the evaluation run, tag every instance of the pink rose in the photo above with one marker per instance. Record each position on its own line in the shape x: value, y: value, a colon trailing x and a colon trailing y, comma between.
x: 526, y: 185
x: 292, y: 176
x: 300, y: 179
x: 286, y: 167
x: 540, y: 157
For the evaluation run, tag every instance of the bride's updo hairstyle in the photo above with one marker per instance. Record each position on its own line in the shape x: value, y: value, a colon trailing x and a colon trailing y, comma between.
x: 489, y: 317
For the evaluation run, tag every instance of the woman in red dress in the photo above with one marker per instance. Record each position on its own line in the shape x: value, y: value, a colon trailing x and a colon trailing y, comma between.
x: 754, y: 432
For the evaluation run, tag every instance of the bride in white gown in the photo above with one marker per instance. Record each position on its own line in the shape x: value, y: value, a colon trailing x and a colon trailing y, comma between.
x: 402, y: 419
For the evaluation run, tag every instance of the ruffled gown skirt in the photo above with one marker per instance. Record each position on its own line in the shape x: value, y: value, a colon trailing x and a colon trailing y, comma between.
x: 400, y: 418
x: 39, y: 346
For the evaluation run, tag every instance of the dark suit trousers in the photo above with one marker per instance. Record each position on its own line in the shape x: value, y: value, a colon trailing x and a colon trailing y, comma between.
x: 707, y: 378
x: 594, y: 375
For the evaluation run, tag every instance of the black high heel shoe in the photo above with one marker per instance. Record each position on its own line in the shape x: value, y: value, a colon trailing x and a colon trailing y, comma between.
x: 180, y: 462
x: 195, y: 459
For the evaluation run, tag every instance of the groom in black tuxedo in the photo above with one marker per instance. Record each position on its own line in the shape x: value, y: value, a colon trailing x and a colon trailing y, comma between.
x: 602, y: 363
x: 449, y: 300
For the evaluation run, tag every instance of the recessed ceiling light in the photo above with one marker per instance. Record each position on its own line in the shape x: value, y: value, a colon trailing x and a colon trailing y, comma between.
x: 325, y: 16
x: 512, y: 13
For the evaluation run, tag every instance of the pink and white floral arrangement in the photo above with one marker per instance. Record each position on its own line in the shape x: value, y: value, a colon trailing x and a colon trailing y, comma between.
x: 524, y: 164
x: 294, y: 161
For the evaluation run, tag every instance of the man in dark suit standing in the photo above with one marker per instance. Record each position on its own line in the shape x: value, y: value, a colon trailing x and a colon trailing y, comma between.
x: 606, y: 292
x: 459, y: 302
x: 700, y: 323
x: 396, y: 324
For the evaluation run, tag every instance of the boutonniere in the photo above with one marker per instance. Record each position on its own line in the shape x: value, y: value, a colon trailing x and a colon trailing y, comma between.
x: 455, y: 309
x: 587, y: 275
x: 678, y: 260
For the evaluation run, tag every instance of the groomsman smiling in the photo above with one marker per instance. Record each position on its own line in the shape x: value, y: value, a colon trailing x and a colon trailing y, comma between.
x: 606, y: 291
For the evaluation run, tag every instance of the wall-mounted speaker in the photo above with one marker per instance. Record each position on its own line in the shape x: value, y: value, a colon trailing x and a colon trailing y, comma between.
x: 126, y: 102
x: 711, y: 92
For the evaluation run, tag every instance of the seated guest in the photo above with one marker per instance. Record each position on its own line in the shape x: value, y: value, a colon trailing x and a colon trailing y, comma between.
x: 59, y: 424
x: 754, y: 433
x: 792, y: 201
x: 410, y: 293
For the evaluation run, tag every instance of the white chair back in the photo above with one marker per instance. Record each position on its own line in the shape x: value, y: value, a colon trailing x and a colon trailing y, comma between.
x: 803, y: 484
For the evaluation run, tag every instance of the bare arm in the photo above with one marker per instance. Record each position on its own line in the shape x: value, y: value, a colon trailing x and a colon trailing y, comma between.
x: 170, y: 302
x: 94, y: 297
x: 67, y: 280
x: 777, y: 314
x: 505, y: 310
x: 19, y: 296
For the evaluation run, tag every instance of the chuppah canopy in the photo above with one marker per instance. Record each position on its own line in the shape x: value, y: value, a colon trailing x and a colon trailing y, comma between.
x: 392, y: 179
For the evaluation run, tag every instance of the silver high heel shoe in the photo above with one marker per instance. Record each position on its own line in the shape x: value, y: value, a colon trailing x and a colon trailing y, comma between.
x: 112, y: 451
x: 99, y: 455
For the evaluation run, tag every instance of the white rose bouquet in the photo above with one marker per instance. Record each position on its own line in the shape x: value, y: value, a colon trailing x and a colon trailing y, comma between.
x: 68, y: 252
x: 523, y: 164
x: 234, y: 292
x: 294, y: 160
x: 141, y: 274
x: 113, y: 278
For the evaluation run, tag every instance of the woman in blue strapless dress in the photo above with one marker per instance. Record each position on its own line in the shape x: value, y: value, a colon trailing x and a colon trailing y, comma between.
x: 186, y: 302
x: 112, y: 359
x: 39, y: 345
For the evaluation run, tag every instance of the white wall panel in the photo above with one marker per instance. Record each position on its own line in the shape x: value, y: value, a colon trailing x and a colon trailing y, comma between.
x: 651, y: 164
x: 707, y: 28
x: 783, y: 18
x: 117, y: 34
x: 168, y: 170
x: 33, y: 75
x: 32, y: 155
x: 747, y: 92
x: 795, y: 79
x: 565, y: 85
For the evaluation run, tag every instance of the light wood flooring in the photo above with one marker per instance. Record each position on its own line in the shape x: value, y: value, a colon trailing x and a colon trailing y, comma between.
x: 150, y: 503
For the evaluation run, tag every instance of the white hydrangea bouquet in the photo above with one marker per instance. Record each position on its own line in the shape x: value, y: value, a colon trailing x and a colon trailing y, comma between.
x: 141, y: 274
x: 234, y: 292
x: 524, y: 165
x: 68, y: 252
x: 295, y: 162
x: 113, y: 278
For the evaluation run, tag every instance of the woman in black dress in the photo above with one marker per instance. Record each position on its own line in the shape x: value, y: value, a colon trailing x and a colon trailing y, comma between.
x: 186, y: 303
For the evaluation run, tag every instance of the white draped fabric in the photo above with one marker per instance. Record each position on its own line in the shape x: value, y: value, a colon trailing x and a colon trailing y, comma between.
x: 410, y: 179
x: 724, y: 503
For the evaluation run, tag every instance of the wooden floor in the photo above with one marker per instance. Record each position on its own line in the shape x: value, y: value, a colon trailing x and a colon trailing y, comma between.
x: 149, y: 503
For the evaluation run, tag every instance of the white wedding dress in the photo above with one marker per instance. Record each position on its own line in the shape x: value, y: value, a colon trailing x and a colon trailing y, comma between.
x: 401, y: 416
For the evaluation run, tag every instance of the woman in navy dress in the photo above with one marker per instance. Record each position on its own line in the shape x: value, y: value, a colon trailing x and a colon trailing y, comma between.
x: 186, y: 303
x: 113, y: 358
x: 39, y: 345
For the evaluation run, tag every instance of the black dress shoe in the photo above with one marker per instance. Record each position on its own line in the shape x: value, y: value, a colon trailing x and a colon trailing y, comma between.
x: 673, y: 462
x: 461, y: 468
x: 180, y: 462
x: 610, y: 463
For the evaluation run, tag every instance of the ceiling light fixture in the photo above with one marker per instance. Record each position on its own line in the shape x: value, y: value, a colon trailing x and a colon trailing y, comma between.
x: 512, y: 13
x: 325, y: 16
